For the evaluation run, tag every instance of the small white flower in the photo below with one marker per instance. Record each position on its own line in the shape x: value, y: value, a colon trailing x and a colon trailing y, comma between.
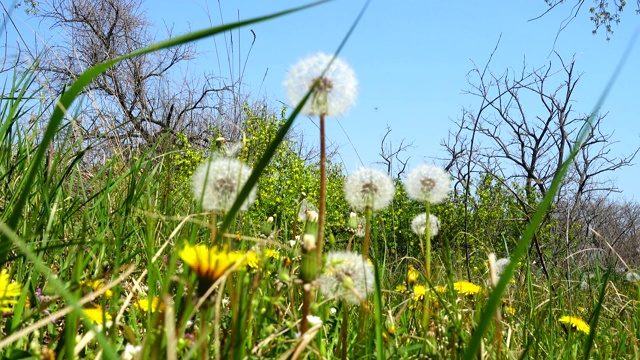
x: 428, y: 183
x: 292, y: 243
x: 218, y: 182
x: 369, y: 188
x: 419, y: 224
x: 347, y: 276
x: 632, y: 277
x: 130, y: 351
x: 314, y: 320
x: 335, y: 91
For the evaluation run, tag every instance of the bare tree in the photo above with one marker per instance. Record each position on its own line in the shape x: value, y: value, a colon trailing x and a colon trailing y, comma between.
x: 390, y: 155
x: 524, y: 129
x: 136, y: 101
x: 603, y: 13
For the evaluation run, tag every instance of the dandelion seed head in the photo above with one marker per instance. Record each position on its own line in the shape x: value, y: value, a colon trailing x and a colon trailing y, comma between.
x: 335, y: 91
x: 428, y: 183
x: 501, y: 264
x: 346, y: 276
x: 130, y: 352
x: 584, y: 285
x: 369, y: 188
x: 218, y: 182
x: 419, y: 224
x: 632, y: 277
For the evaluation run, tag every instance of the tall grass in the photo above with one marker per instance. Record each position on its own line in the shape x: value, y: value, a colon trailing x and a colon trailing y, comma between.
x: 80, y: 238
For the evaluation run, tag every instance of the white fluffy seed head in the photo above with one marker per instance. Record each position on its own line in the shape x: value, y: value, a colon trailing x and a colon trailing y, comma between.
x: 632, y: 277
x: 336, y: 90
x: 428, y: 183
x: 502, y: 264
x: 419, y: 224
x: 369, y: 188
x: 346, y: 276
x: 218, y: 182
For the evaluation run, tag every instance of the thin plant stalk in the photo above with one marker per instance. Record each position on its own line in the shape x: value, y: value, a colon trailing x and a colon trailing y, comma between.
x: 214, y: 227
x: 367, y: 233
x: 426, y: 313
x: 323, y: 189
x: 344, y: 331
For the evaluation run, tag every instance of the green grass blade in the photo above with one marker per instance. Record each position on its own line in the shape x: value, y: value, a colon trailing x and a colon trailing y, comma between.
x: 588, y: 345
x: 495, y: 298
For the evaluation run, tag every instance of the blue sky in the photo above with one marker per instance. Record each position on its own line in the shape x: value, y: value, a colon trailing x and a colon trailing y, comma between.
x: 412, y: 60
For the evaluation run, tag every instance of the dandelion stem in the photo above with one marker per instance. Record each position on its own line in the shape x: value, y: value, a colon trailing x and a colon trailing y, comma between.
x: 367, y: 233
x: 426, y: 312
x: 344, y: 330
x: 306, y: 308
x: 323, y: 189
x: 214, y: 227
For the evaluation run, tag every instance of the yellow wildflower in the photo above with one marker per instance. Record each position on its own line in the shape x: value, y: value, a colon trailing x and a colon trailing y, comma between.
x: 144, y: 304
x: 466, y: 288
x: 418, y: 292
x: 271, y: 253
x: 95, y: 285
x: 210, y: 264
x: 440, y: 289
x: 401, y: 288
x: 8, y: 291
x: 96, y: 315
x: 575, y: 323
x: 412, y: 275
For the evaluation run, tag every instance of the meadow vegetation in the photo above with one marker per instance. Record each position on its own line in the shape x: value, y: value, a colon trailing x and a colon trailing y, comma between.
x: 244, y: 246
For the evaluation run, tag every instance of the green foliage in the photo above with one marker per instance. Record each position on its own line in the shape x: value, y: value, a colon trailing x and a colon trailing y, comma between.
x: 288, y: 175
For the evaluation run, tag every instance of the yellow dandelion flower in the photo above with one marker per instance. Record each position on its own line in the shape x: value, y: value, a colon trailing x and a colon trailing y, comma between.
x: 253, y: 260
x: 418, y: 292
x: 466, y: 288
x: 440, y: 289
x: 95, y: 285
x: 144, y: 304
x: 8, y: 291
x: 509, y: 310
x: 401, y: 288
x: 271, y: 253
x: 210, y: 264
x: 412, y: 275
x: 575, y: 323
x: 96, y: 315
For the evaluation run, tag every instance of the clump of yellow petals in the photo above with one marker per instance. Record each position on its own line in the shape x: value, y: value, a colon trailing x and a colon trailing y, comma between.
x: 418, y: 292
x: 210, y: 264
x: 96, y: 315
x: 95, y: 285
x: 8, y: 291
x: 271, y: 253
x: 412, y: 275
x: 144, y: 304
x: 401, y: 288
x: 466, y: 288
x: 575, y: 323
